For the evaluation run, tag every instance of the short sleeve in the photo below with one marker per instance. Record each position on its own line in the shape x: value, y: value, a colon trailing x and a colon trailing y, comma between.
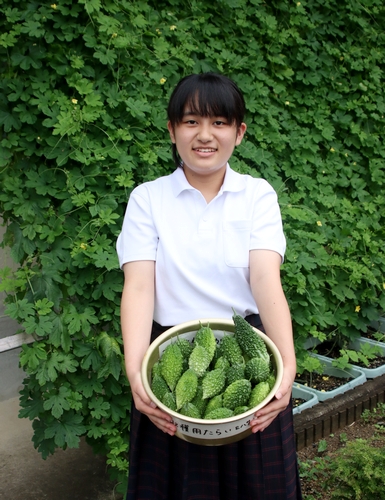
x: 267, y: 231
x: 138, y: 239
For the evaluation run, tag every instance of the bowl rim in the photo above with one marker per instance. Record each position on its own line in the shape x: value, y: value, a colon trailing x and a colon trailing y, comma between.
x: 189, y: 326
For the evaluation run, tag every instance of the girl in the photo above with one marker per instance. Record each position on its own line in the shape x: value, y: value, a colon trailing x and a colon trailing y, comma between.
x: 195, y: 244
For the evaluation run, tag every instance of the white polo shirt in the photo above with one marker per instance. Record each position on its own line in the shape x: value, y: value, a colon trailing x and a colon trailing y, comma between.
x: 201, y: 249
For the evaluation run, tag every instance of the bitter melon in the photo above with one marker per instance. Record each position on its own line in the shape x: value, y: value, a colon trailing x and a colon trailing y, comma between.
x: 186, y: 388
x: 237, y: 394
x: 171, y: 365
x: 213, y: 383
x: 258, y: 394
x: 199, y: 360
x: 205, y: 337
x: 250, y: 342
x: 199, y: 402
x: 159, y: 386
x: 169, y: 400
x: 219, y: 413
x: 235, y: 372
x: 190, y: 410
x: 257, y: 370
x: 231, y: 350
x: 213, y: 404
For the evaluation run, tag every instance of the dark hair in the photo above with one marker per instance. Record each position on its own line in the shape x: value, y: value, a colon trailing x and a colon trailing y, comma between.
x: 206, y: 94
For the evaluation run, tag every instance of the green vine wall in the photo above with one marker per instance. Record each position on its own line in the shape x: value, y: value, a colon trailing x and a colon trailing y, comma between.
x: 83, y: 91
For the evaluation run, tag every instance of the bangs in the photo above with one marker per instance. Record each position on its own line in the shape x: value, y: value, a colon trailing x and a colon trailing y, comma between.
x: 207, y: 94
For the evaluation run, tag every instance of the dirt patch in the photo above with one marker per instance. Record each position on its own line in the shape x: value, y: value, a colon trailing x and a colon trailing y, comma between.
x: 361, y: 429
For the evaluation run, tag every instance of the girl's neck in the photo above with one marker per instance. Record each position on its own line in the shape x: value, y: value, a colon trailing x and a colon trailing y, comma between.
x: 208, y: 184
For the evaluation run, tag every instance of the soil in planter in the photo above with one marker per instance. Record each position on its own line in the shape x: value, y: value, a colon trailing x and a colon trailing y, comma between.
x: 321, y: 382
x: 297, y: 401
x: 332, y: 350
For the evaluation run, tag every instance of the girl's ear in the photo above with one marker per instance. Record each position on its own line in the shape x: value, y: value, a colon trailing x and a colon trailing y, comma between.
x: 240, y: 133
x: 171, y: 131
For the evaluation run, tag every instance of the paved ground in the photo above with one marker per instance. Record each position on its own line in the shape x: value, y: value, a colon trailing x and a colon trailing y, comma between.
x: 74, y: 474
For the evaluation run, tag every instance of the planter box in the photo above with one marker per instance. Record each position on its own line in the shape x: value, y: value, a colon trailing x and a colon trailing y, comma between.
x: 356, y: 345
x: 370, y: 372
x: 357, y: 376
x: 303, y: 392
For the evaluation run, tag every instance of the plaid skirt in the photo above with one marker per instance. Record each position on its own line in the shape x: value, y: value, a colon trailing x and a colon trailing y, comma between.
x: 262, y: 466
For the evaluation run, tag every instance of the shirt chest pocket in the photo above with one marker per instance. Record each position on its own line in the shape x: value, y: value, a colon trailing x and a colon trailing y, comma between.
x: 236, y: 241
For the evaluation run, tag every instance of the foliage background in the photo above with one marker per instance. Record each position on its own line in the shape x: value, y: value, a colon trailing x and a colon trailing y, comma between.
x: 83, y: 91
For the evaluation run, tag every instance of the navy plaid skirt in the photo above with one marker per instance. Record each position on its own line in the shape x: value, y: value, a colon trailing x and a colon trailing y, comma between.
x: 262, y: 466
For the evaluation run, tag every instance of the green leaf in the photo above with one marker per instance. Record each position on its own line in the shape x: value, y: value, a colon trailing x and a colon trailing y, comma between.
x: 67, y: 431
x: 32, y: 355
x: 58, y: 403
x: 99, y: 407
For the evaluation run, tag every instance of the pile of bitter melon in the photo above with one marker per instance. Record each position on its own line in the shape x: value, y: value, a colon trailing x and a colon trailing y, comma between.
x: 210, y: 380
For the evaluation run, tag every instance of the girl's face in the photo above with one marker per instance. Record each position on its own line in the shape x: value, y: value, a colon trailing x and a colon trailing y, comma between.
x: 205, y: 143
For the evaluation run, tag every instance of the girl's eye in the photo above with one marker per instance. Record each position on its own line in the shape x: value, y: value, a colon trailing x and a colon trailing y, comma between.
x: 191, y: 122
x: 219, y: 122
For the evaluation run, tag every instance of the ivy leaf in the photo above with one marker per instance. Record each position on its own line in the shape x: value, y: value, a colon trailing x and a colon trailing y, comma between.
x: 112, y: 367
x: 81, y: 321
x: 30, y: 407
x: 88, y: 385
x: 118, y: 412
x: 9, y: 122
x: 90, y: 356
x: 58, y: 403
x: 32, y: 355
x: 43, y: 306
x: 21, y: 309
x: 100, y: 408
x: 66, y: 431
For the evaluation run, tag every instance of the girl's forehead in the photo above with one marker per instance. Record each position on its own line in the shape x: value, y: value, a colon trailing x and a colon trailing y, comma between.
x: 196, y: 106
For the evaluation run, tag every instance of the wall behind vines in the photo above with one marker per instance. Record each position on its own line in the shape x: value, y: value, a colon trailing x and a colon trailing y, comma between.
x: 83, y: 92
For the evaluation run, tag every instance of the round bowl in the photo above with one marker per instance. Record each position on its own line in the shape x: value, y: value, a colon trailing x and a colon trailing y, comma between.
x: 196, y: 430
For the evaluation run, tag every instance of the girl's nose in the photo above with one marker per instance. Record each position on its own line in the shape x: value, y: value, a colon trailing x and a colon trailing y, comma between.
x: 204, y: 133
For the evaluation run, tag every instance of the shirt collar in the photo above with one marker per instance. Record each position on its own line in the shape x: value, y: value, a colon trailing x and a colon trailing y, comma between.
x: 233, y: 181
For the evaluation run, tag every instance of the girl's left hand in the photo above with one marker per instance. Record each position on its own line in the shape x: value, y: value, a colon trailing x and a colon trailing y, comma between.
x: 268, y: 413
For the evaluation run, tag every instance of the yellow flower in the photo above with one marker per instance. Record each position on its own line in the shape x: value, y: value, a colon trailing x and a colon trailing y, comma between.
x: 332, y: 150
x: 74, y: 101
x: 325, y: 378
x: 298, y: 4
x: 54, y: 6
x: 357, y: 309
x: 383, y: 286
x: 83, y: 246
x: 162, y: 81
x: 173, y: 27
x: 319, y: 223
x: 287, y: 103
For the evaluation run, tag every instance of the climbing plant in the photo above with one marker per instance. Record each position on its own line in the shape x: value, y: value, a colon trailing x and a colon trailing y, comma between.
x: 83, y: 92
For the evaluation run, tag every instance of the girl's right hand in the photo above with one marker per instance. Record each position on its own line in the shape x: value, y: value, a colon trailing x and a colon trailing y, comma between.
x: 144, y: 404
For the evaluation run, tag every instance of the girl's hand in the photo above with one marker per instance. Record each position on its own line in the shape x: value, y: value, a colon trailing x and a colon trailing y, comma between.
x: 268, y: 413
x: 143, y: 404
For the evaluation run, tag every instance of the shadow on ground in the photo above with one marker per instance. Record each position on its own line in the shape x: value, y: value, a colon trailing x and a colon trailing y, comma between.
x: 74, y: 474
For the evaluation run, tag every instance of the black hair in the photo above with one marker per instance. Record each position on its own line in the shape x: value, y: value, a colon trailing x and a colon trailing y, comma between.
x: 206, y: 94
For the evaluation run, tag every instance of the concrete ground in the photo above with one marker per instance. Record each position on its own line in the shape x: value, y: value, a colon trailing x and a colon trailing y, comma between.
x: 74, y: 474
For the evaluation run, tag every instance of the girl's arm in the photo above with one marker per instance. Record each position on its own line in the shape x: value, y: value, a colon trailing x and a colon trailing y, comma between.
x: 137, y: 308
x: 267, y: 290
